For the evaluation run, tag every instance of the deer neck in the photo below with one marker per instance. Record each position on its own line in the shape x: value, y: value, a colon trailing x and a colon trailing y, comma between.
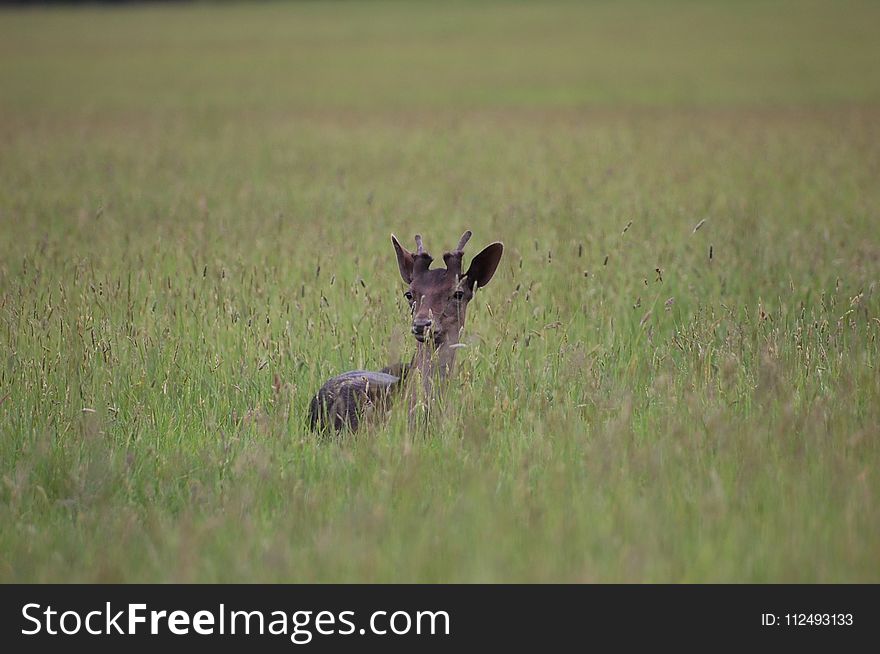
x: 432, y: 367
x: 434, y: 362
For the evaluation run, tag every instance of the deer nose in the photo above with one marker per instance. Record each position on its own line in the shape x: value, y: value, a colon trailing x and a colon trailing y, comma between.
x: 420, y: 326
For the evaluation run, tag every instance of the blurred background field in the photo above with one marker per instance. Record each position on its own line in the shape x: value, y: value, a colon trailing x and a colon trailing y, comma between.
x: 673, y: 377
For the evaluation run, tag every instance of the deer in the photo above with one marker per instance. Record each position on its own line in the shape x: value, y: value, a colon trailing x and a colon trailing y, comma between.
x: 438, y: 299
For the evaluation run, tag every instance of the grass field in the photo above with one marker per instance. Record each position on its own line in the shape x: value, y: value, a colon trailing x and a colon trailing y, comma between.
x: 195, y: 209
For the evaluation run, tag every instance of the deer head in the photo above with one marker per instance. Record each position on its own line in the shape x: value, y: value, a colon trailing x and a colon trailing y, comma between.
x: 439, y: 298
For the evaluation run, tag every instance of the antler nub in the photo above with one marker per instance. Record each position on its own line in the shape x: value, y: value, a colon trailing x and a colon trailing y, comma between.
x: 422, y: 259
x: 453, y: 259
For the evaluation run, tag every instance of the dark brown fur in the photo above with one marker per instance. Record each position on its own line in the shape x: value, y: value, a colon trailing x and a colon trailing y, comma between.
x: 342, y: 401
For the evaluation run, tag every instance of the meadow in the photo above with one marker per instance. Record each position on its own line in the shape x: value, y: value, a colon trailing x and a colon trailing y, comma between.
x: 672, y: 378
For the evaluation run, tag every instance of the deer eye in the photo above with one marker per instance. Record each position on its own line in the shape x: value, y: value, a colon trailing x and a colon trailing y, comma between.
x: 409, y: 296
x: 458, y: 295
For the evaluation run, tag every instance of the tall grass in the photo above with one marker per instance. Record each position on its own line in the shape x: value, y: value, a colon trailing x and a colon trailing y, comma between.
x: 194, y: 215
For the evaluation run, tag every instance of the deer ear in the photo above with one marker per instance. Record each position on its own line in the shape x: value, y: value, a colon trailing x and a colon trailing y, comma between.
x: 404, y: 260
x: 483, y: 265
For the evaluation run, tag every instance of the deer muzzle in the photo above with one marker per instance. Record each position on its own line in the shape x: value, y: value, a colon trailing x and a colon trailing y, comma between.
x: 421, y: 328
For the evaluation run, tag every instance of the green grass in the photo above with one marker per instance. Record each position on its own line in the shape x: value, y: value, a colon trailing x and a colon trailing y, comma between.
x: 195, y: 205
